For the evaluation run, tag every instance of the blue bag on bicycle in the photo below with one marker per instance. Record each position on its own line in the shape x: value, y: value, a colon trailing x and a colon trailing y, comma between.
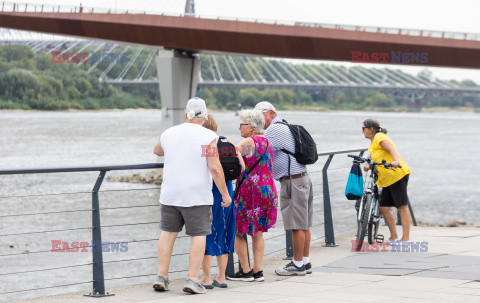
x: 354, y: 189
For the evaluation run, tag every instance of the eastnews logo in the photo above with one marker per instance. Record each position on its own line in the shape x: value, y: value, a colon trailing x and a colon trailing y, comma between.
x: 209, y: 151
x: 94, y: 57
x: 396, y: 246
x: 398, y: 57
x: 77, y: 246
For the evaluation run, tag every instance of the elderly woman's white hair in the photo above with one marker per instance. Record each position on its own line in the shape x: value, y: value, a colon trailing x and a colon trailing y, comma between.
x: 253, y: 118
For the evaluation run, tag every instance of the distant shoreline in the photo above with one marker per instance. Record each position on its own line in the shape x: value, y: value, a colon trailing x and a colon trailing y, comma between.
x: 434, y: 110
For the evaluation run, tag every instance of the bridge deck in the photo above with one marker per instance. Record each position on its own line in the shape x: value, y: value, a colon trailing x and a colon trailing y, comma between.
x: 273, y: 40
x: 448, y: 272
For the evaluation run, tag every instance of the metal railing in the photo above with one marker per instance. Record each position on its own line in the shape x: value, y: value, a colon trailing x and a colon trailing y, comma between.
x: 96, y: 246
x: 97, y: 263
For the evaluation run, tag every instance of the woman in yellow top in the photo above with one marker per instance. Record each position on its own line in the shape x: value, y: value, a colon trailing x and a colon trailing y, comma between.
x: 394, y: 181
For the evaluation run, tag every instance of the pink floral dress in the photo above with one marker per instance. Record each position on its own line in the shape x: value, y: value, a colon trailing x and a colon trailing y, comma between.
x: 257, y: 200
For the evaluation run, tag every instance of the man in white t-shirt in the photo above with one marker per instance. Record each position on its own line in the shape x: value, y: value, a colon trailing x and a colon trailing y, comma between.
x: 186, y: 192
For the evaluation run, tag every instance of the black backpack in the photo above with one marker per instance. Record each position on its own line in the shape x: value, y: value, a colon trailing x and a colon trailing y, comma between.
x: 305, y: 147
x: 228, y: 158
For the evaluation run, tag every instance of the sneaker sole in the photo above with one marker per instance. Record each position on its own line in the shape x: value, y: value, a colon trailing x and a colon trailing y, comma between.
x: 259, y: 279
x: 192, y: 291
x: 291, y: 274
x: 309, y: 271
x: 159, y: 287
x: 241, y: 279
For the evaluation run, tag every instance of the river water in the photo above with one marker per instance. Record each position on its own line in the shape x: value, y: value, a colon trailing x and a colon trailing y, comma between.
x: 440, y: 149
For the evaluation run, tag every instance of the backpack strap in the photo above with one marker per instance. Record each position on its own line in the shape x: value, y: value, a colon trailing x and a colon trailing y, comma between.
x: 284, y: 122
x: 244, y: 176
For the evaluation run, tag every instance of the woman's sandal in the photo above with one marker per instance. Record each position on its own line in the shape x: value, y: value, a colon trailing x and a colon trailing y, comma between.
x: 220, y: 285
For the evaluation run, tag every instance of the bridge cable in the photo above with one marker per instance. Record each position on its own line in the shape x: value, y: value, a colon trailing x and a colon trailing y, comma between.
x: 245, y: 66
x: 146, y: 65
x: 232, y: 61
x: 317, y: 73
x: 265, y: 67
x: 211, y: 67
x: 339, y: 75
x: 276, y: 71
x: 129, y: 64
x: 234, y: 79
x: 217, y: 68
x: 255, y: 69
x: 372, y: 76
x: 282, y: 65
x: 296, y: 69
x: 309, y: 74
x: 352, y: 72
x: 324, y: 70
x: 98, y: 61
x: 105, y: 72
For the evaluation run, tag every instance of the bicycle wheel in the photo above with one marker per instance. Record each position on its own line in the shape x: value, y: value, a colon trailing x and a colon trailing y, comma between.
x: 364, y: 221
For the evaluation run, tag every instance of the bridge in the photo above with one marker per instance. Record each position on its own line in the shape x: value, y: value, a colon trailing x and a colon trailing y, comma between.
x: 186, y: 37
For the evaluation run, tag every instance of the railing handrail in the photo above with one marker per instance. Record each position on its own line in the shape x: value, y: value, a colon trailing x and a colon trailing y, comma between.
x: 48, y: 170
x: 344, y: 151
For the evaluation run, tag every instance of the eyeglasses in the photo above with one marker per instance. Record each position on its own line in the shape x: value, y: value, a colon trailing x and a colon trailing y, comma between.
x: 363, y: 128
x: 241, y: 124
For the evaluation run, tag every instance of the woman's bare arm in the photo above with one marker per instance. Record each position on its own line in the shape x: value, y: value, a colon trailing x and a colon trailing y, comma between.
x: 390, y: 148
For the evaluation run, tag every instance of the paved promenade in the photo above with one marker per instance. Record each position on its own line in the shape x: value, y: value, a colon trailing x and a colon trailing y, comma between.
x: 448, y: 272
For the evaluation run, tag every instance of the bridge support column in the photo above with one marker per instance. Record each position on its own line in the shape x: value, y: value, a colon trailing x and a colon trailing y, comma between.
x: 178, y: 77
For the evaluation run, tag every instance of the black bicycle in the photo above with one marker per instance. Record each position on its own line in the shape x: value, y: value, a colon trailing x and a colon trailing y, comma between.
x: 368, y: 213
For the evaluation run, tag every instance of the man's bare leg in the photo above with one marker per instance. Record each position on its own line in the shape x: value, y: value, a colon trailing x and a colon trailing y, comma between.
x: 164, y: 251
x: 298, y: 237
x: 306, y: 247
x: 197, y: 251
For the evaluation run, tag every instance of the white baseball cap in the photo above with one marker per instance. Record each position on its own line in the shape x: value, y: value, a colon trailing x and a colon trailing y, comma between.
x: 196, y: 108
x: 265, y: 106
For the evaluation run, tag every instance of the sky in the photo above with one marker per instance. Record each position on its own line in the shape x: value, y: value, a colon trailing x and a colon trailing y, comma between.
x: 442, y: 15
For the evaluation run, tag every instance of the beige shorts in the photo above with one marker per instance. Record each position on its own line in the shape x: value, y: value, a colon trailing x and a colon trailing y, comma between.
x: 296, y: 202
x: 197, y: 219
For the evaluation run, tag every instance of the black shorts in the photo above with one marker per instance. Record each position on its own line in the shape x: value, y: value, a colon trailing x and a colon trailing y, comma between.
x: 395, y: 194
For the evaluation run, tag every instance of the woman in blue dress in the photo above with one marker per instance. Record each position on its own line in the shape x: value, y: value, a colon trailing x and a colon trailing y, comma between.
x: 222, y: 239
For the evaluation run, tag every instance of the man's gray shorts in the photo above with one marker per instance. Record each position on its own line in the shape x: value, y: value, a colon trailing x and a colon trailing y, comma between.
x: 296, y: 202
x: 197, y: 219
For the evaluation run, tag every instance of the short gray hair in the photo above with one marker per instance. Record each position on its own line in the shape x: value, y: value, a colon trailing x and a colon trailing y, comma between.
x: 253, y: 118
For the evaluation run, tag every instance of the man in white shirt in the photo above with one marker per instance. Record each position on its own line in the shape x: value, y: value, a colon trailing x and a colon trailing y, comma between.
x: 186, y: 192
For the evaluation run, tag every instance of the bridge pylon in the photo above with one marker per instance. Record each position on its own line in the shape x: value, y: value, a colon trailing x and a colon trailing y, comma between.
x: 178, y: 72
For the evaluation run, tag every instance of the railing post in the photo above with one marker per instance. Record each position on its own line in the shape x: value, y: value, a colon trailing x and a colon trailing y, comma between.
x: 98, y: 278
x: 230, y: 270
x: 327, y: 209
x: 411, y: 214
x: 288, y: 245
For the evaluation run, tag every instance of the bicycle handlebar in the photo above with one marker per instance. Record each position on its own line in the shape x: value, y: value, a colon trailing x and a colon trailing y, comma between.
x: 369, y: 161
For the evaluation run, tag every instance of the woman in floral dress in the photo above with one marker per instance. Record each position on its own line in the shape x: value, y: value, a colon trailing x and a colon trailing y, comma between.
x: 256, y: 200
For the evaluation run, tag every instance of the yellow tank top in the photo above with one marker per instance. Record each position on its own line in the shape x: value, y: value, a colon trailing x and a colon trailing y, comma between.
x: 386, y: 177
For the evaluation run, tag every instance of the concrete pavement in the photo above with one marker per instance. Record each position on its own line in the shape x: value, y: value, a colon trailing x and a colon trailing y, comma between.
x: 449, y: 271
